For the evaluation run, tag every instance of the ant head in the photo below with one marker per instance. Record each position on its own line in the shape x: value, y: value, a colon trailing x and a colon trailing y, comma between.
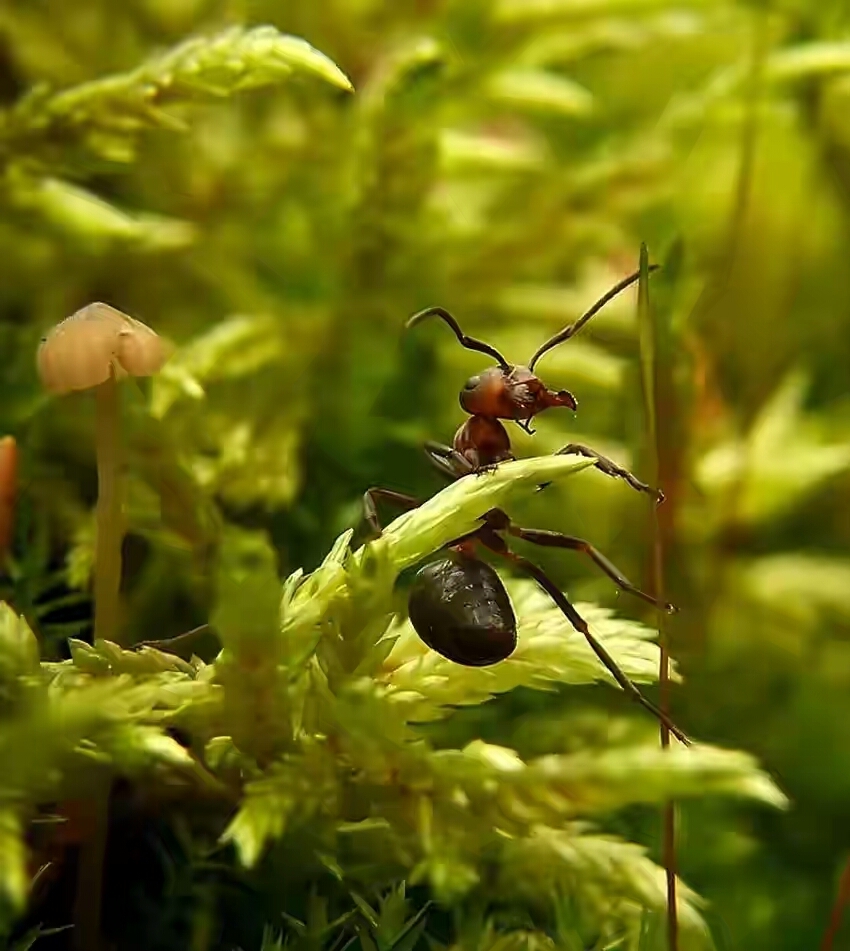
x: 484, y: 393
x: 515, y: 392
x: 510, y: 393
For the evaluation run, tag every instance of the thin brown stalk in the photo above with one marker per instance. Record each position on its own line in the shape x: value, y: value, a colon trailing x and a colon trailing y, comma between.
x: 8, y: 494
x: 88, y: 900
x: 841, y: 901
x: 669, y: 809
x: 649, y: 357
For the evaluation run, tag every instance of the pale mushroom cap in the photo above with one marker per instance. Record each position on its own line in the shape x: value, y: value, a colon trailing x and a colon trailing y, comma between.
x: 94, y: 344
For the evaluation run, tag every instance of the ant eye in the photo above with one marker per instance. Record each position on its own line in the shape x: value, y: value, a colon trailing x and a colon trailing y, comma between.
x: 472, y: 382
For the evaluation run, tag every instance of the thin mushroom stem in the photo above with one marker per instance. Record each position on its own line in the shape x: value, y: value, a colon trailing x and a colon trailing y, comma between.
x: 107, y: 582
x: 110, y: 526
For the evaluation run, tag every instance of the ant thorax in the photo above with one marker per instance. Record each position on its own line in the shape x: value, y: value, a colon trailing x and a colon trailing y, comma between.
x: 483, y: 441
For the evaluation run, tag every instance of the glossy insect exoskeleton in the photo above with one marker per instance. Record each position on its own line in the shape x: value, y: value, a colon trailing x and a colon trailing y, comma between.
x: 458, y: 605
x: 511, y: 392
x: 460, y: 609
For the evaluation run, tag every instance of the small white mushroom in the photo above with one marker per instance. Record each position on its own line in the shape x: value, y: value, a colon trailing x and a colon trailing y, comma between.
x: 92, y: 349
x: 96, y: 344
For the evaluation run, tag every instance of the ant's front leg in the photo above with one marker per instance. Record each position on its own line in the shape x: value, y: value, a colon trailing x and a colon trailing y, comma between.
x: 370, y: 508
x: 448, y: 461
x: 610, y: 468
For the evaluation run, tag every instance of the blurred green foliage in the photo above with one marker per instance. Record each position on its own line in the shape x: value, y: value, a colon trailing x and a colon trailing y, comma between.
x: 503, y: 158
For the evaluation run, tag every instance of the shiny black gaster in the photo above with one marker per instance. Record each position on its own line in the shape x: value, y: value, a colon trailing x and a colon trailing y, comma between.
x: 460, y: 608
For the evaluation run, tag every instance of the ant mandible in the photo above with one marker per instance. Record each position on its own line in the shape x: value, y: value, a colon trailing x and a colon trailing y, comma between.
x: 513, y: 393
x: 458, y: 605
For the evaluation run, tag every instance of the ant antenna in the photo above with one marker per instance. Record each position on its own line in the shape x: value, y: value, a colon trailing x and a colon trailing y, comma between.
x: 573, y: 329
x: 470, y: 343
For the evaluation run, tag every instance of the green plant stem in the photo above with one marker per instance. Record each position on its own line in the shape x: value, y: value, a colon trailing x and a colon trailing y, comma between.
x: 107, y: 568
x: 717, y: 287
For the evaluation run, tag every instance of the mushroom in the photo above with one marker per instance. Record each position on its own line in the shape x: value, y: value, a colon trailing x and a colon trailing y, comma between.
x: 93, y: 349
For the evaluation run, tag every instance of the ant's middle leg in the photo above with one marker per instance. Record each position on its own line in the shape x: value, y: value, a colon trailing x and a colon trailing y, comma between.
x: 610, y: 468
x: 557, y: 540
x: 370, y: 508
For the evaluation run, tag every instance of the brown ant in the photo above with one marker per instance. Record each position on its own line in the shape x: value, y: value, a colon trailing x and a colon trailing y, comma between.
x: 458, y: 605
x: 515, y: 393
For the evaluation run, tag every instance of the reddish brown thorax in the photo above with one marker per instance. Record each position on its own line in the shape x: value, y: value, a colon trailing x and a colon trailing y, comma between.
x: 515, y: 393
x: 483, y: 441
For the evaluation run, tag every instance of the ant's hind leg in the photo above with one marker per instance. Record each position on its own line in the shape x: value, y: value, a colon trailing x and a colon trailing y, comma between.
x: 557, y: 540
x: 496, y: 544
x: 610, y: 468
x: 370, y: 508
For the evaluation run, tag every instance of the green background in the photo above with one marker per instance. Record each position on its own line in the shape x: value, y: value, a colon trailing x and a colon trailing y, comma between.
x: 505, y: 159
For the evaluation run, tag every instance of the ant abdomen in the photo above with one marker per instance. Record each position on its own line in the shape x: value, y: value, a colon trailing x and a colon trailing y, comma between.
x: 460, y: 609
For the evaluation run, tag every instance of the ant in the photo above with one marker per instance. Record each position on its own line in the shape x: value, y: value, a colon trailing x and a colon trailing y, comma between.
x: 458, y: 605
